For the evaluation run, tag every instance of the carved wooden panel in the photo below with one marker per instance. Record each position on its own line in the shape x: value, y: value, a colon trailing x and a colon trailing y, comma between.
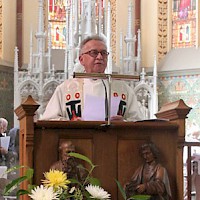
x: 162, y: 28
x: 113, y: 28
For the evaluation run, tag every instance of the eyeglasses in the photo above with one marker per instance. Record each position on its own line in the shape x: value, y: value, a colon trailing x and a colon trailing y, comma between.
x: 95, y: 53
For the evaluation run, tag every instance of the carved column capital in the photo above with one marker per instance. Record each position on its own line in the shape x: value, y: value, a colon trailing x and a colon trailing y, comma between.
x: 27, y: 108
x: 174, y: 110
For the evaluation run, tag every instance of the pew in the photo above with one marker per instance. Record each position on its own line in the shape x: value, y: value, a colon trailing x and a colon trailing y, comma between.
x: 113, y: 148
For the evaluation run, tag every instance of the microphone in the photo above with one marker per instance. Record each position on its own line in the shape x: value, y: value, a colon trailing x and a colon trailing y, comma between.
x: 106, y: 101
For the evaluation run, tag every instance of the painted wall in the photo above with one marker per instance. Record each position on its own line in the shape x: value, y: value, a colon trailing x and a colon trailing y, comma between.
x: 30, y: 22
x: 149, y: 12
x: 7, y: 94
x: 9, y: 30
x: 179, y: 59
x: 183, y: 85
x: 121, y: 24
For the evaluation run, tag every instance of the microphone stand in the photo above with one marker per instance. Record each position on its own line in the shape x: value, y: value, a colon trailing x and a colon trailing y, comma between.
x: 106, y: 101
x: 109, y: 77
x: 109, y: 99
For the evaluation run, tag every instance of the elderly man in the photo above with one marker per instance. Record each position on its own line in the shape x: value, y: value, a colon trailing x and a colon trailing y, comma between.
x: 3, y: 129
x: 69, y: 99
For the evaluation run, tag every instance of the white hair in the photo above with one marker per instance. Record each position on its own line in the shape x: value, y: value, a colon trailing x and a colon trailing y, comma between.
x: 3, y: 125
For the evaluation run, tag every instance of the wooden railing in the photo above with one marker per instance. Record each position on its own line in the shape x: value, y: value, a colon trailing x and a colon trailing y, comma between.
x: 188, y: 177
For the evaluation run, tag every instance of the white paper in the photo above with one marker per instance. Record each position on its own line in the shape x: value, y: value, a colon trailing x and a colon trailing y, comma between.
x: 4, y: 142
x: 114, y: 106
x: 94, y: 108
x: 3, y: 173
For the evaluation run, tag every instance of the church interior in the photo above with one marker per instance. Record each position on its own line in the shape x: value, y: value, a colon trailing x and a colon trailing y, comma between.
x: 157, y: 41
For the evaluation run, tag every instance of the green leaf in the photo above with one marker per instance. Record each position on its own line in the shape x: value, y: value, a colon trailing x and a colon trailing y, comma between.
x: 29, y: 173
x: 72, y: 180
x: 16, y: 167
x: 16, y: 182
x: 22, y: 192
x: 30, y: 187
x: 86, y: 194
x: 82, y: 157
x: 81, y: 167
x: 94, y: 181
x: 140, y: 197
x: 11, y: 186
x: 121, y: 189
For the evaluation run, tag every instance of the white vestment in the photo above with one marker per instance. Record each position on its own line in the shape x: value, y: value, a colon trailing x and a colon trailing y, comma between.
x: 67, y: 102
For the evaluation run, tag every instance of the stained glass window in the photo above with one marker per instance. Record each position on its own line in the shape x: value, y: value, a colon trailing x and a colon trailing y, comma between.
x: 184, y: 23
x: 57, y: 20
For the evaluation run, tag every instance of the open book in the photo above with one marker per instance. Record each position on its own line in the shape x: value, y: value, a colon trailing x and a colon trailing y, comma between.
x: 4, y: 142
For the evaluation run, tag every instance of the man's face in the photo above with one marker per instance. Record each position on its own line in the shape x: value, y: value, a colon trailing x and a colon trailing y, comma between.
x: 94, y: 64
x: 3, y: 128
x: 148, y: 155
x: 66, y: 148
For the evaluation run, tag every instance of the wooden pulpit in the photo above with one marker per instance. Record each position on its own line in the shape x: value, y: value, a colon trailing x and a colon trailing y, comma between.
x: 114, y: 148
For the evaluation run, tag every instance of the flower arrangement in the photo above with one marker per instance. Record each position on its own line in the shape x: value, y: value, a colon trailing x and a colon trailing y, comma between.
x: 57, y: 186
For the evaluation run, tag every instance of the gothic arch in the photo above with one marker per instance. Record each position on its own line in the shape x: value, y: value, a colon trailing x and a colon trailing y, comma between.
x: 29, y: 87
x: 49, y: 89
x: 145, y: 98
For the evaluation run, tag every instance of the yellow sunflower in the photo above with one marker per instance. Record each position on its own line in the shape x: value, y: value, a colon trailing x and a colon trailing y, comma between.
x: 56, y: 179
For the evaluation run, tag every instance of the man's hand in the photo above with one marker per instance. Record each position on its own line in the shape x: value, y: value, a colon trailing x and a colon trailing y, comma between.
x: 3, y: 151
x: 141, y: 188
x: 116, y: 118
x: 77, y: 119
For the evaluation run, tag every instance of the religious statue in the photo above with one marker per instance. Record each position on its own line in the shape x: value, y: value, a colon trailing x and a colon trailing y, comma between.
x: 143, y: 109
x: 150, y: 178
x: 196, y: 179
x: 67, y: 164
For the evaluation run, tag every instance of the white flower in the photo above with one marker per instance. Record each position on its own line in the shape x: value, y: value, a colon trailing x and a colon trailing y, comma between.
x: 72, y: 190
x: 97, y: 192
x: 43, y: 193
